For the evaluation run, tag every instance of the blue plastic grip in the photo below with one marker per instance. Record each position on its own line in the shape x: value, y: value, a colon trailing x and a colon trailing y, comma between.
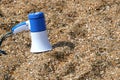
x: 37, y: 22
x: 18, y: 25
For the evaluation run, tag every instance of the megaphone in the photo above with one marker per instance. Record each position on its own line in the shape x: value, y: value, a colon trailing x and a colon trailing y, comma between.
x: 38, y: 31
x: 37, y: 26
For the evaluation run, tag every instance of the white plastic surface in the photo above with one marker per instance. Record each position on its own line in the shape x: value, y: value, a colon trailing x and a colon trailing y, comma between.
x: 40, y: 42
x: 28, y: 23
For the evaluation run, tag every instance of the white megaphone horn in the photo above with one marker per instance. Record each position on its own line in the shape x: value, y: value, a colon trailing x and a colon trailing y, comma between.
x: 36, y: 25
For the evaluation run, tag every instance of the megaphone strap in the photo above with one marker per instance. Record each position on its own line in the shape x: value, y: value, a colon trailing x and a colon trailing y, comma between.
x: 2, y: 39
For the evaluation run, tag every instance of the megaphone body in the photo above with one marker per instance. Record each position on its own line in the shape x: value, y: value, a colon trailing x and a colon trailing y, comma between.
x: 38, y: 31
x: 36, y: 25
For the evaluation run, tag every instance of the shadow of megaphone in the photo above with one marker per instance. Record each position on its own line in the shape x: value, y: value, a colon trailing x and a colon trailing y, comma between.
x: 64, y: 43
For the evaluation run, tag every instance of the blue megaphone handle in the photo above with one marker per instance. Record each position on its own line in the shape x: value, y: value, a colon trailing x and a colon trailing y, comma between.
x: 23, y: 26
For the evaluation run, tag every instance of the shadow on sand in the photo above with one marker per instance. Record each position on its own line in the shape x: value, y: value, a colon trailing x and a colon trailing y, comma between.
x: 64, y: 43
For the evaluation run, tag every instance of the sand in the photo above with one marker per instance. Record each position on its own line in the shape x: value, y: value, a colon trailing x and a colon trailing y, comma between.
x: 85, y: 35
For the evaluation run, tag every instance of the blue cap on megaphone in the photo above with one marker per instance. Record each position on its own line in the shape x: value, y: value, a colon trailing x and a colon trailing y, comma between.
x: 37, y: 22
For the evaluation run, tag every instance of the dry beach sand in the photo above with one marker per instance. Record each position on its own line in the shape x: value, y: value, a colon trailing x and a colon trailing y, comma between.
x: 85, y: 35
